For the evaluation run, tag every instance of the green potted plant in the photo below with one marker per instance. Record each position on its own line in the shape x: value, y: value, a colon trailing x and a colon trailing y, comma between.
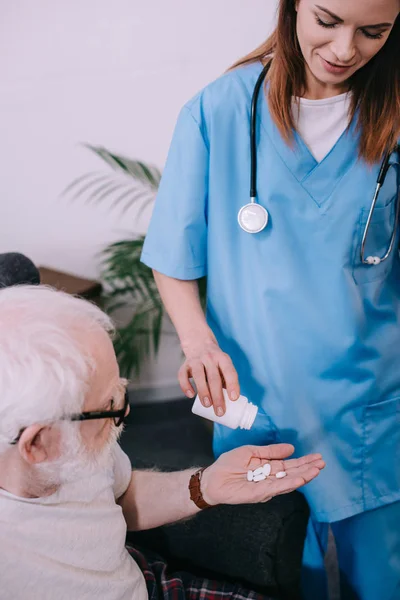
x: 128, y: 283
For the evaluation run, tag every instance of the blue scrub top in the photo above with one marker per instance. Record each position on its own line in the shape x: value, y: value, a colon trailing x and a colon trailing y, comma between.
x: 313, y: 333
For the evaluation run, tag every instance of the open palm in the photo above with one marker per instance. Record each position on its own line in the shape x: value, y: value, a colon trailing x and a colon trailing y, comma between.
x: 225, y: 482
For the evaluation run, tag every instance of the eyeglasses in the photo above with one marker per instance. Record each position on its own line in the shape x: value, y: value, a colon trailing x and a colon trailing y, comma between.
x: 118, y: 416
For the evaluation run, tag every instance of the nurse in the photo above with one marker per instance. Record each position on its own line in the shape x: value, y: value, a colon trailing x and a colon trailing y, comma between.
x: 294, y: 314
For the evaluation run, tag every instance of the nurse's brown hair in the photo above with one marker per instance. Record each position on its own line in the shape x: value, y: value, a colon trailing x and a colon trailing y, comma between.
x: 375, y: 87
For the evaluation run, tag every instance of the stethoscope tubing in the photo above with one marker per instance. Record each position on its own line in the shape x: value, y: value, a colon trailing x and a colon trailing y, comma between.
x: 385, y: 166
x: 253, y: 133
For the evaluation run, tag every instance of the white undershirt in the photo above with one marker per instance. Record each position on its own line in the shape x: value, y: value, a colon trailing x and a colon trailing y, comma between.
x: 70, y: 545
x: 320, y: 123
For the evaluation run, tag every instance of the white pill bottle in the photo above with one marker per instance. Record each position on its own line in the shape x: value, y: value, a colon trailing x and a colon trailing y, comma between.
x: 239, y: 413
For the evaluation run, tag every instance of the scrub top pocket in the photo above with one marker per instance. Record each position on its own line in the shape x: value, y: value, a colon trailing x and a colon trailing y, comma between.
x: 377, y: 243
x: 381, y: 450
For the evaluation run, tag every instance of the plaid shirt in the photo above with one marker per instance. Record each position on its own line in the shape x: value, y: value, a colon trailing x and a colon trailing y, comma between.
x: 162, y: 585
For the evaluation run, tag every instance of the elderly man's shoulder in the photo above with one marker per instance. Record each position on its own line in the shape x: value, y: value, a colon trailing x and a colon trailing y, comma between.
x: 122, y: 471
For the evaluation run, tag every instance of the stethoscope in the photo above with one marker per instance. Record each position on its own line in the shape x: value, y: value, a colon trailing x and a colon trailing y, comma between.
x: 253, y: 217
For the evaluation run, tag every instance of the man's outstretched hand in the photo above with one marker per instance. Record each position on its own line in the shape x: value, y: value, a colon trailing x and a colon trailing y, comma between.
x: 225, y: 481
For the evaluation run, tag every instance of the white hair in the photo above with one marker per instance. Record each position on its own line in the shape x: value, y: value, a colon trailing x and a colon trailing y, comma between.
x: 44, y: 369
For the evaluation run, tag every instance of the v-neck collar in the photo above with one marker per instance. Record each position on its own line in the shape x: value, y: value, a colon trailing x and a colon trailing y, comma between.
x: 319, y: 179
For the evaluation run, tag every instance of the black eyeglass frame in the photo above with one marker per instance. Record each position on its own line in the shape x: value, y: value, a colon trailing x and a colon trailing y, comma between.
x: 118, y: 417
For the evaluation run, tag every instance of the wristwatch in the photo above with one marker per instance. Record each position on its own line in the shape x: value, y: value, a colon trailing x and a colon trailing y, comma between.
x: 195, y: 490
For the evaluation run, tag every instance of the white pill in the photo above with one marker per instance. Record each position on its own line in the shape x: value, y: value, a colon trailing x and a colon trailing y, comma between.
x: 259, y: 478
x: 249, y: 475
x: 267, y: 470
x: 259, y: 471
x: 281, y: 475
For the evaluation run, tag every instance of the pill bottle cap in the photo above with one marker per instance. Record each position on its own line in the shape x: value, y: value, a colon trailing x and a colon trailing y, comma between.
x: 249, y: 416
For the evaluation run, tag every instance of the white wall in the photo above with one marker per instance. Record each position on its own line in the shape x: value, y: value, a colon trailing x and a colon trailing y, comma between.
x: 112, y: 73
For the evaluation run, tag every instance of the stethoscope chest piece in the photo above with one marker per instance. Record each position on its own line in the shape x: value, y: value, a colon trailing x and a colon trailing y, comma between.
x: 253, y: 217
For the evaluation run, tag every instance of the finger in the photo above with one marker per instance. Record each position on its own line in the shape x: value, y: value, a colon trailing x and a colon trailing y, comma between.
x: 288, y: 484
x: 230, y: 377
x: 290, y: 466
x: 184, y: 382
x: 272, y: 452
x: 305, y: 475
x: 291, y: 486
x: 302, y: 460
x: 291, y: 474
x: 295, y: 482
x: 310, y: 474
x: 319, y: 463
x: 215, y: 386
x: 279, y: 465
x: 199, y: 376
x: 302, y: 471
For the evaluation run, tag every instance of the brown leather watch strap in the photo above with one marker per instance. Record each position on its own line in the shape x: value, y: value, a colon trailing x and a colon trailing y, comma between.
x: 195, y: 490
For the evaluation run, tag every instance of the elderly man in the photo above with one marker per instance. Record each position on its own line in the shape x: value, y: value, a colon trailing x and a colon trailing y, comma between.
x: 67, y: 491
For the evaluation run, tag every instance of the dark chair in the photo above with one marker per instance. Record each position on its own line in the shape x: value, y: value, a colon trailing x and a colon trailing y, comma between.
x: 258, y: 545
x: 15, y: 268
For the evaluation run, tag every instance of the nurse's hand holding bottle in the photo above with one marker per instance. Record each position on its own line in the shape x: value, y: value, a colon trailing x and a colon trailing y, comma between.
x: 209, y: 367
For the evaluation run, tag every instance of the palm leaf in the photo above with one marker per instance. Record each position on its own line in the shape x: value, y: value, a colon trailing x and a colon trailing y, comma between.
x: 141, y: 180
x: 130, y: 196
x: 77, y: 181
x: 131, y: 283
x: 146, y: 174
x: 135, y: 341
x: 100, y: 191
x: 80, y: 191
x: 128, y: 282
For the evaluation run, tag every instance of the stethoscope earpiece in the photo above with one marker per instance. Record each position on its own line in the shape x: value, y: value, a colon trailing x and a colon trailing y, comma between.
x: 372, y: 260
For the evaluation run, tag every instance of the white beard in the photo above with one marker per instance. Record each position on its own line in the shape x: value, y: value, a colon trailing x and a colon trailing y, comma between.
x: 76, y: 462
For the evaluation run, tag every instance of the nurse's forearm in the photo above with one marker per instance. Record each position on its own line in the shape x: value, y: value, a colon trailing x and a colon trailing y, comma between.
x: 206, y: 364
x: 182, y: 303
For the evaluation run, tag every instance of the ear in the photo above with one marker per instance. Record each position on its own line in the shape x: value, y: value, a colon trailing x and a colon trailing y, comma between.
x: 39, y: 443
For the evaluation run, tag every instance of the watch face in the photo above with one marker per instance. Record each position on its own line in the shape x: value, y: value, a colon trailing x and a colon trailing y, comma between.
x: 253, y: 218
